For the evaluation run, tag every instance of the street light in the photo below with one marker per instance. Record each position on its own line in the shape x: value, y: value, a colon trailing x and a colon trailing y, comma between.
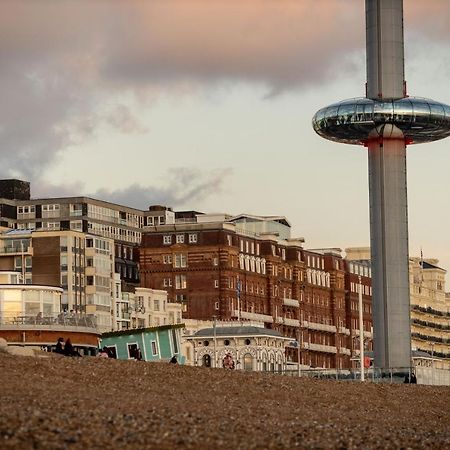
x: 214, y: 341
x: 432, y: 363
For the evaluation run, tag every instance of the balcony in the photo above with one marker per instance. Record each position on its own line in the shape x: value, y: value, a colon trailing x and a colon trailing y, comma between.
x: 291, y: 302
x: 17, y: 250
x: 367, y: 334
x: 291, y: 322
x: 319, y: 348
x: 254, y: 316
x: 279, y: 319
x: 319, y: 326
x: 345, y: 351
x: 344, y: 330
x: 69, y: 322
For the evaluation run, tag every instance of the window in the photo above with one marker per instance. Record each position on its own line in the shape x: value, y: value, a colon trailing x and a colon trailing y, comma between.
x: 180, y: 281
x: 76, y: 209
x: 216, y: 283
x: 180, y: 238
x: 154, y: 348
x: 167, y: 259
x: 180, y: 260
x: 192, y: 239
x: 167, y: 282
x: 206, y: 361
x: 216, y: 261
x: 248, y: 362
x: 76, y: 225
x: 156, y: 304
x: 175, y: 340
x: 167, y: 239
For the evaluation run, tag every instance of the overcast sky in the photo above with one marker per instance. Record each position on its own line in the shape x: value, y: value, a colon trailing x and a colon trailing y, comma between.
x: 207, y: 105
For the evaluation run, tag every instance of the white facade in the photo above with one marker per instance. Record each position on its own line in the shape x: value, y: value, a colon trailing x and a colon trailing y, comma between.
x: 251, y: 348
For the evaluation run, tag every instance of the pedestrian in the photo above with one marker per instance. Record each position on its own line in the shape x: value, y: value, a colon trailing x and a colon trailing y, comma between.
x: 406, y: 379
x: 173, y: 360
x: 60, y: 346
x: 413, y: 378
x: 138, y: 354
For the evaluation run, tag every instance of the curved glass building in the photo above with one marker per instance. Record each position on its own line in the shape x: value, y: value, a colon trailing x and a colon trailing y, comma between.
x: 353, y: 121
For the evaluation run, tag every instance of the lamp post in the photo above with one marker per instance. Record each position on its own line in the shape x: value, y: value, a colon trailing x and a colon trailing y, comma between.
x: 361, y: 329
x: 214, y: 341
x: 432, y: 363
x: 299, y: 345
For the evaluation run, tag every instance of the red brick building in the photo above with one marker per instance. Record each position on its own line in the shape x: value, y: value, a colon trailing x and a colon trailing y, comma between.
x: 249, y: 268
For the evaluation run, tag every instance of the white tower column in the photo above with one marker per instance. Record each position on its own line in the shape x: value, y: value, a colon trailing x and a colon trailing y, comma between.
x: 389, y: 251
x: 387, y: 190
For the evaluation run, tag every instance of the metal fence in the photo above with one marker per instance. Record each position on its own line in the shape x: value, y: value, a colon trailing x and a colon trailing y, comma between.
x: 423, y: 375
x: 60, y: 320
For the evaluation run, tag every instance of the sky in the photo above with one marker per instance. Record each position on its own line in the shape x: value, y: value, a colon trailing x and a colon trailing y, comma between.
x: 207, y: 105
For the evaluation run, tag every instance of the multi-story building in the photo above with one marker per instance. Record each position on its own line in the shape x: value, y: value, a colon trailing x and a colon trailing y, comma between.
x: 145, y: 308
x: 358, y: 280
x: 249, y: 268
x: 82, y: 265
x: 430, y: 310
x: 30, y: 315
x: 120, y: 223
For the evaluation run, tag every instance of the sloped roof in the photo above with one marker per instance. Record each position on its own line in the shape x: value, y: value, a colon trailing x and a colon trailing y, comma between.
x: 238, y: 331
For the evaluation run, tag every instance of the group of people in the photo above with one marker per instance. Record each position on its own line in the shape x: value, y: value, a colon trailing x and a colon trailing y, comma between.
x: 66, y: 348
x: 411, y: 379
x: 228, y: 362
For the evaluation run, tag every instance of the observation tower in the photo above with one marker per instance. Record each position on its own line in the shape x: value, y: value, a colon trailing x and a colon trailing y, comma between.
x: 386, y: 121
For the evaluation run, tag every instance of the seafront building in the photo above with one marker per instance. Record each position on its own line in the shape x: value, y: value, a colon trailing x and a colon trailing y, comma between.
x: 243, y: 347
x: 81, y: 264
x: 30, y: 315
x: 429, y: 305
x: 249, y: 268
x: 159, y: 343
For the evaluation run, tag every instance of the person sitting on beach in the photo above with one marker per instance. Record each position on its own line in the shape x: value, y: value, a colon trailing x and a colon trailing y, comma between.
x: 103, y: 353
x: 60, y: 346
x: 69, y: 350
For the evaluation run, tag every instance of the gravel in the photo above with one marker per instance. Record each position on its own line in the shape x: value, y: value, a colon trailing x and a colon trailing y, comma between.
x: 54, y: 402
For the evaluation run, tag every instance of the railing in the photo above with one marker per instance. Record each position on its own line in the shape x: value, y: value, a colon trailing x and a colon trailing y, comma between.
x: 427, y: 337
x: 52, y: 321
x: 430, y: 310
x: 24, y: 250
x: 424, y: 323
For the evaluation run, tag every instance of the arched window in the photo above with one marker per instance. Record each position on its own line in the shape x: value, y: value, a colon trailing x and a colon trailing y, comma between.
x: 248, y: 362
x: 206, y: 361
